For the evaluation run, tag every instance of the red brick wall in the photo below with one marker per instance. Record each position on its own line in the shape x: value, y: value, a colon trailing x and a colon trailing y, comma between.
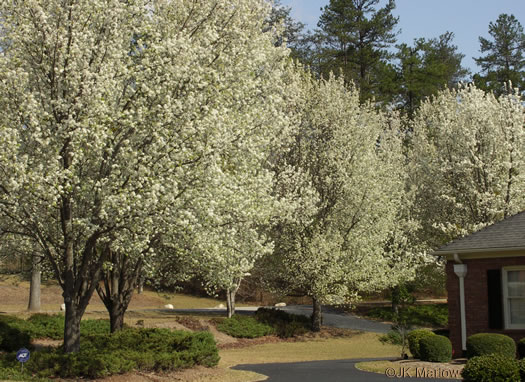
x: 476, y: 299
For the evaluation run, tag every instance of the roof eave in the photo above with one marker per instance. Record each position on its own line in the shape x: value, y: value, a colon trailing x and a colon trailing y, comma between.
x: 475, y: 250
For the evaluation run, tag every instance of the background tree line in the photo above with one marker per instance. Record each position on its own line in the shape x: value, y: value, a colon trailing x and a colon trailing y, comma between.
x: 357, y: 39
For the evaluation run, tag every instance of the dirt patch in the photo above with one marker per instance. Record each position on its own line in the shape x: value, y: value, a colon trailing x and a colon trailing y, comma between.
x: 246, y: 342
x: 167, y: 325
x: 197, y: 374
x: 42, y: 343
x: 192, y: 323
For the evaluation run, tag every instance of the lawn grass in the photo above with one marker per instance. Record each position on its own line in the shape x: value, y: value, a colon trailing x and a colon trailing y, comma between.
x: 360, y: 345
x: 426, y: 315
x: 14, y: 293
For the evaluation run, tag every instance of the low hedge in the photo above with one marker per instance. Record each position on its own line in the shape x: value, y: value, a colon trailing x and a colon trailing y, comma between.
x: 491, y: 368
x: 435, y: 348
x: 106, y: 354
x: 414, y: 337
x: 128, y: 349
x: 244, y: 327
x: 16, y: 332
x: 490, y: 343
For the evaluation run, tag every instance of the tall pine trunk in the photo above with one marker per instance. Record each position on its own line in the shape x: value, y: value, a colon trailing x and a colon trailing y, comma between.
x: 316, y: 315
x: 35, y: 284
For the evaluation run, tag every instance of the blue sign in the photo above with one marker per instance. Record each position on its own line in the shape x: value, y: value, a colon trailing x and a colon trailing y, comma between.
x: 22, y: 355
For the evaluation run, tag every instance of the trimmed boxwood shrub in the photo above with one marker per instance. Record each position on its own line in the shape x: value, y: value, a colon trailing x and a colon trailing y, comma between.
x: 491, y: 368
x: 244, y: 327
x: 521, y: 366
x: 435, y: 349
x: 521, y: 348
x: 413, y: 340
x: 490, y: 343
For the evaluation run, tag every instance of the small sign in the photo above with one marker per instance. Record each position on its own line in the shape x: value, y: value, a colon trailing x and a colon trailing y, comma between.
x: 22, y: 355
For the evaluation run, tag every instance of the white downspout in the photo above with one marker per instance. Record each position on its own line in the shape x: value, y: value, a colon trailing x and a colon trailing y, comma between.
x: 461, y: 271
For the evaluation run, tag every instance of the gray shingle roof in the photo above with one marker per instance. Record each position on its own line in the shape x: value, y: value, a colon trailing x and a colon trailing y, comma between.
x: 508, y: 234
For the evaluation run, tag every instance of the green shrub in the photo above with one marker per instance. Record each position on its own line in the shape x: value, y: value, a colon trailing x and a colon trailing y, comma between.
x: 244, y: 327
x: 434, y: 315
x: 90, y: 363
x: 435, y: 348
x: 414, y: 337
x: 93, y: 327
x: 128, y: 349
x: 392, y: 337
x: 490, y: 343
x: 12, y: 338
x: 16, y: 374
x: 491, y: 368
x: 521, y: 366
x: 46, y: 326
x: 285, y: 324
x: 290, y: 329
x: 521, y: 348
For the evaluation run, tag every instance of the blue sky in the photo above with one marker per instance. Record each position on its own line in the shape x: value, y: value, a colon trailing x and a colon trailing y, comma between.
x: 468, y: 19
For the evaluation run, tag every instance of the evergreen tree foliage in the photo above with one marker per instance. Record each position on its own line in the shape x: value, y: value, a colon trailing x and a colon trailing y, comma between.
x: 425, y: 68
x: 353, y: 39
x: 504, y: 59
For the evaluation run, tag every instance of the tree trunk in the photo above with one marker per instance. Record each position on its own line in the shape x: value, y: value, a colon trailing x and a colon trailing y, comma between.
x: 395, y: 299
x: 116, y: 317
x: 141, y: 286
x: 316, y: 315
x: 119, y: 284
x: 71, y: 328
x: 34, y: 286
x: 230, y: 301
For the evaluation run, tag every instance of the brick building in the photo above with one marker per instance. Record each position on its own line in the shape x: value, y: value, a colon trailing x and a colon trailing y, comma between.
x: 486, y: 282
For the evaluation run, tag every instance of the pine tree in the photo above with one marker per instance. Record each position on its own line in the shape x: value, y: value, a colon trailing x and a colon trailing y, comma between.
x: 355, y: 38
x: 504, y: 61
x: 425, y: 68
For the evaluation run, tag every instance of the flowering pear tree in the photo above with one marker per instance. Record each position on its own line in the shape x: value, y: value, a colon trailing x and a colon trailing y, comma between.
x: 111, y: 112
x: 237, y: 202
x: 468, y: 153
x: 350, y: 160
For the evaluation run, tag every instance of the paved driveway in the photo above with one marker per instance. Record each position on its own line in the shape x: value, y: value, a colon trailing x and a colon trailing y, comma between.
x: 338, y: 319
x: 331, y: 317
x: 322, y: 371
